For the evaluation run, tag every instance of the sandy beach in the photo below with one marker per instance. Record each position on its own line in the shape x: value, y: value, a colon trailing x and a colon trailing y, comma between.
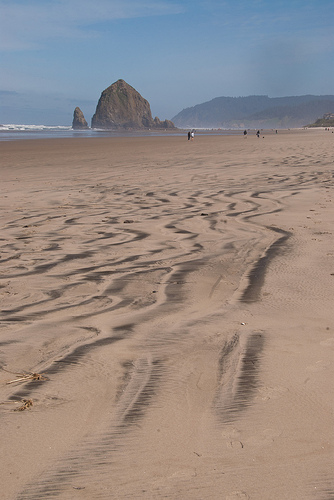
x: 174, y: 300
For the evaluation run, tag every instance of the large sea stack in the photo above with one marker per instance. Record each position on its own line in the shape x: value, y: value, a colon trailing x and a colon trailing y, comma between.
x: 122, y: 107
x: 79, y: 121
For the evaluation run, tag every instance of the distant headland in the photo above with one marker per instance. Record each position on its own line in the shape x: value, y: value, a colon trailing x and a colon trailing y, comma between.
x: 326, y: 121
x: 257, y: 111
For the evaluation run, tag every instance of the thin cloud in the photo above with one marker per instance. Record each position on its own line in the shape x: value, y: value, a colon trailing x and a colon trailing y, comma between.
x: 6, y: 93
x: 29, y: 25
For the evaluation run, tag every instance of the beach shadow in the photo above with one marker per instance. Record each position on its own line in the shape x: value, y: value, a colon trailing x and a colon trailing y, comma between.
x: 238, y: 376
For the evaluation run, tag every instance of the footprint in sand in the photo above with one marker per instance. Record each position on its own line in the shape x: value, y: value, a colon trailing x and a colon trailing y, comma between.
x: 266, y: 393
x: 236, y: 445
x: 319, y: 366
x: 232, y: 437
x: 236, y: 495
x: 328, y: 343
x: 231, y: 433
x: 265, y: 438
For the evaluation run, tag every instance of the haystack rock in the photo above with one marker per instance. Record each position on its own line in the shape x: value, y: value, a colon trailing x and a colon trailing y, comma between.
x: 122, y: 107
x: 79, y: 121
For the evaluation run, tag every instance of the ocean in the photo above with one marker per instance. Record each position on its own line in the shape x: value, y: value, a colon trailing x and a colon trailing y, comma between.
x: 12, y: 132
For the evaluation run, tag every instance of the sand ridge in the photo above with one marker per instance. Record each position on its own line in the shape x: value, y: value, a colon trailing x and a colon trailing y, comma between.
x: 177, y: 296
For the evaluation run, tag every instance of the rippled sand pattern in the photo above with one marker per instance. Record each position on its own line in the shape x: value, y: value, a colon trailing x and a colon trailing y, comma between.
x: 178, y: 299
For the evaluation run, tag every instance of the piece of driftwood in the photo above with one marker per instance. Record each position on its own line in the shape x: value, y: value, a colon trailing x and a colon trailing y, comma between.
x: 22, y: 377
x: 25, y: 377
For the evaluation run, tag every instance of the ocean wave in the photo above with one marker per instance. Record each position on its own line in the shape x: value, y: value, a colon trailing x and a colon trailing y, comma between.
x: 33, y: 128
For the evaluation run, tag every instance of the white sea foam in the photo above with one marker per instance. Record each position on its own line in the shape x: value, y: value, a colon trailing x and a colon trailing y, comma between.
x: 33, y: 128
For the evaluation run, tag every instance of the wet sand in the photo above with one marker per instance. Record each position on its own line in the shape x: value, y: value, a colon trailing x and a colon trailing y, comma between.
x: 177, y: 298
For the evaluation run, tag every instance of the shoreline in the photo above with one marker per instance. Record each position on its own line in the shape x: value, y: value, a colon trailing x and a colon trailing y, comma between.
x: 41, y: 132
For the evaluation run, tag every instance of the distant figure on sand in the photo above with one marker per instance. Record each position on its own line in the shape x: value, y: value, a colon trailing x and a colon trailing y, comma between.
x: 192, y: 134
x: 245, y: 133
x: 189, y: 135
x: 258, y: 133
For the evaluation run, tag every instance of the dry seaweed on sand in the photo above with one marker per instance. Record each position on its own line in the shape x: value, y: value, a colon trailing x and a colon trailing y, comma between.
x: 25, y: 404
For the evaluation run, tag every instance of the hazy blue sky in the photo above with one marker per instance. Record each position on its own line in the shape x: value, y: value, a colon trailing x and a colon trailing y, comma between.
x: 58, y: 54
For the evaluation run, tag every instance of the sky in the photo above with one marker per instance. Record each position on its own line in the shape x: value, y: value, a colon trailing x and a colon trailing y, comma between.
x: 59, y: 54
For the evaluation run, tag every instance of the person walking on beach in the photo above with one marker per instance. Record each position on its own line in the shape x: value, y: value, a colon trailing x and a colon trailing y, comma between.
x: 192, y: 134
x: 245, y: 134
x: 189, y: 135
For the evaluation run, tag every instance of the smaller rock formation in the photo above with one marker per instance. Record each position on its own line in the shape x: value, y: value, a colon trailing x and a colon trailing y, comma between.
x: 79, y: 122
x: 163, y: 124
